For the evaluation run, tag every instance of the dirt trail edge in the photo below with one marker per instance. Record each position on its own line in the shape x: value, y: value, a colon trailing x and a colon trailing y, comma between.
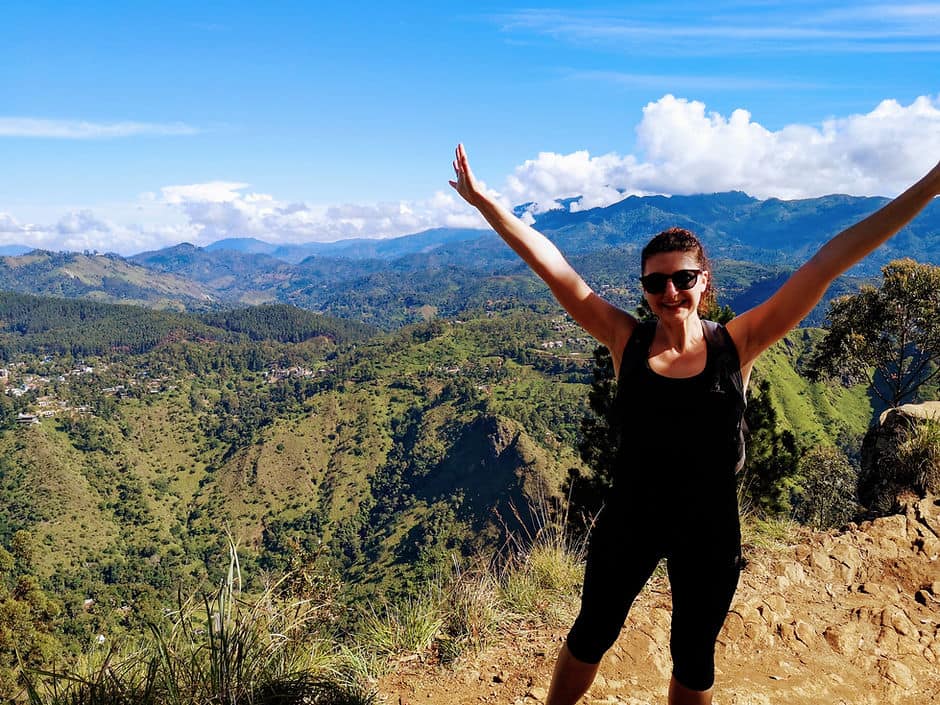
x: 847, y: 618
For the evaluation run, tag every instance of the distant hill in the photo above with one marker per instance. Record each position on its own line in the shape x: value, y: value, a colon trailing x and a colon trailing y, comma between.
x: 753, y: 244
x: 46, y: 325
x: 108, y: 278
x: 358, y: 248
x: 247, y: 245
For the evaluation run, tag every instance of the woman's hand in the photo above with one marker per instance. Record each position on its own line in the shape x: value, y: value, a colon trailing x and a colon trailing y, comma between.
x: 606, y: 322
x: 466, y: 185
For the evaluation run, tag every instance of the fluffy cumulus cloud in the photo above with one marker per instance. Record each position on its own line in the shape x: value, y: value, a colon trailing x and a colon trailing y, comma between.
x: 683, y: 148
x: 222, y: 209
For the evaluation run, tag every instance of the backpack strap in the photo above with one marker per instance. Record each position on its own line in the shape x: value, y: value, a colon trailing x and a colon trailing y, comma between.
x: 637, y: 348
x: 727, y: 366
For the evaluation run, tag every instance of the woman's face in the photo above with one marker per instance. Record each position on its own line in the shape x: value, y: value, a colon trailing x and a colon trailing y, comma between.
x: 674, y: 304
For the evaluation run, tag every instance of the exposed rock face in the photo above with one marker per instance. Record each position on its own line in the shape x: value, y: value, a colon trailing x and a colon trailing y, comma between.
x: 884, y: 483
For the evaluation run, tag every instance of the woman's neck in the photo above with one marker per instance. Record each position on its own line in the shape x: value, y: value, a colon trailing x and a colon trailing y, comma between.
x: 681, y: 335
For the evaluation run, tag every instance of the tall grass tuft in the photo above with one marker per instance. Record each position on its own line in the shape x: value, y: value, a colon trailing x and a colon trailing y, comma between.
x: 407, y: 626
x: 919, y: 455
x: 474, y: 612
x: 543, y: 567
x: 222, y: 649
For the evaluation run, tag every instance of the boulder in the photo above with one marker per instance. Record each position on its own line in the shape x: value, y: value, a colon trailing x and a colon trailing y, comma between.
x: 884, y: 483
x: 842, y: 638
x: 898, y: 673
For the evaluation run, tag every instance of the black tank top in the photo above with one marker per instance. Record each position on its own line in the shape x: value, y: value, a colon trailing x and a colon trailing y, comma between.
x: 681, y: 436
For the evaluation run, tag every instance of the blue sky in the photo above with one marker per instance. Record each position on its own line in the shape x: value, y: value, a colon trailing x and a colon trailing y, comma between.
x: 130, y: 126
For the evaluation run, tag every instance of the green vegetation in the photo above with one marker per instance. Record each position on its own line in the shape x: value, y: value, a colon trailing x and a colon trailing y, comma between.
x: 919, y: 455
x: 360, y: 466
x: 225, y: 648
x: 887, y: 336
x: 827, y: 496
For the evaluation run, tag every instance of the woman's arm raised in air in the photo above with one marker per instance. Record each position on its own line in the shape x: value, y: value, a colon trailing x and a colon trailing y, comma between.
x: 607, y: 323
x: 757, y: 329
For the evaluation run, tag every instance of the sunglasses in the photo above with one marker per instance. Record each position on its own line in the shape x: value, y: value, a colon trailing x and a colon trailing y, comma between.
x: 683, y: 280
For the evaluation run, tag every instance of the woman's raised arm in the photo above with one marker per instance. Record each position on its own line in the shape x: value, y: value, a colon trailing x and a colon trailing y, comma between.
x: 607, y: 323
x: 757, y: 329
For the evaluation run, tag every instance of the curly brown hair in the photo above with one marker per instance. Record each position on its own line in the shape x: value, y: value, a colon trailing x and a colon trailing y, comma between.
x: 681, y: 240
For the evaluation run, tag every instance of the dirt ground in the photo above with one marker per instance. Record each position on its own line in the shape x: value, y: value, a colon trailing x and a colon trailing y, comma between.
x: 849, y: 618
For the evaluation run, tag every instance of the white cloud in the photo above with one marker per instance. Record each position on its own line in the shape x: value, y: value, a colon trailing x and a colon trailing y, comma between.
x: 220, y: 209
x: 83, y: 130
x: 685, y: 149
x: 212, y: 192
x: 682, y: 148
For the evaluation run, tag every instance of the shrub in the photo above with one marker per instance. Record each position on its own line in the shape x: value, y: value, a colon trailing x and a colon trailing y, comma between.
x: 919, y: 453
x: 827, y: 496
x: 222, y: 649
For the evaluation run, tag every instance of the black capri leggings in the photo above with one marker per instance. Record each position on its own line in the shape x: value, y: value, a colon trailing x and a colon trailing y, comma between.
x: 703, y: 559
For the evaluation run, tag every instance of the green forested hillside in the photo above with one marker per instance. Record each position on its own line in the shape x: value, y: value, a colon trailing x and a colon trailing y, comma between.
x: 373, y: 457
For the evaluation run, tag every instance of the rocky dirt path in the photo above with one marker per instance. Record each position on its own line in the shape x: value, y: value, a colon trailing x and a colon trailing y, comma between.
x: 850, y: 618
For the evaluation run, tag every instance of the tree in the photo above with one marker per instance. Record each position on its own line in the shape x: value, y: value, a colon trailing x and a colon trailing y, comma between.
x: 768, y: 480
x: 889, y: 336
x: 599, y: 443
x: 827, y: 497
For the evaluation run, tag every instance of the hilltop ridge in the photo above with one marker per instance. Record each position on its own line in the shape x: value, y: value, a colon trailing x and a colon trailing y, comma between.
x: 849, y: 618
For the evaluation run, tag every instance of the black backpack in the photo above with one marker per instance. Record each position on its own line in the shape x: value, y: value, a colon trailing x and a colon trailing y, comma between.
x: 725, y: 366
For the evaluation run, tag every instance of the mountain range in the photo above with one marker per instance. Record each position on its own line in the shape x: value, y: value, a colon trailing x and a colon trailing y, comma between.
x: 406, y: 279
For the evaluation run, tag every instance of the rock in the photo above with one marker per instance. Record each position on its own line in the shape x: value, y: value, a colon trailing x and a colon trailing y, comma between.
x: 883, y: 482
x: 801, y: 552
x: 754, y: 626
x: 539, y: 694
x: 889, y: 640
x: 929, y: 546
x: 734, y: 627
x: 805, y: 633
x: 897, y: 619
x: 927, y: 513
x: 935, y: 588
x: 771, y: 618
x: 778, y: 605
x: 898, y: 673
x: 795, y: 574
x: 600, y: 681
x: 850, y: 559
x: 843, y: 639
x: 660, y: 617
x: 821, y: 561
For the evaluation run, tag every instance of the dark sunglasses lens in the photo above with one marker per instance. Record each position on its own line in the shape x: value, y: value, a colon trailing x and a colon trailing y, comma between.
x: 685, y: 278
x: 655, y: 283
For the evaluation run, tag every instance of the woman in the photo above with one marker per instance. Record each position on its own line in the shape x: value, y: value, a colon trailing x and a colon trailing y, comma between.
x: 675, y: 496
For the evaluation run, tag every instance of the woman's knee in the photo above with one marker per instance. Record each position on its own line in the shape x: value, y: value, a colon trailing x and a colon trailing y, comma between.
x: 590, y: 639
